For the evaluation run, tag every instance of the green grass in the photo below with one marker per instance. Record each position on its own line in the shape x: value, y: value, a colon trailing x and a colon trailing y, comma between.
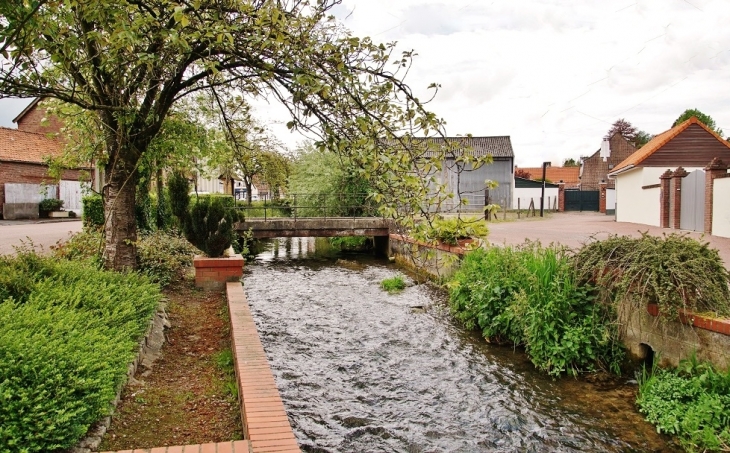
x: 393, y: 284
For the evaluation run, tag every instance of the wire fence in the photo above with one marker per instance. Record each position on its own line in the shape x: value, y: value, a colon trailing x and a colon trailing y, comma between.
x: 310, y: 205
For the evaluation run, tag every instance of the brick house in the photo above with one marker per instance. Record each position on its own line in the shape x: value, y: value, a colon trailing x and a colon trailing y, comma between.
x: 595, y: 168
x: 678, y: 180
x: 23, y: 151
x: 569, y: 177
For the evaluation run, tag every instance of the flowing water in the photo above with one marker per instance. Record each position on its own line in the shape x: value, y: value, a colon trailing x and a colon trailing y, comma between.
x: 361, y: 370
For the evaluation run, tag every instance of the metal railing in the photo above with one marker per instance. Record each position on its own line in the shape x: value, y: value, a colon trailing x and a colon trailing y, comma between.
x: 309, y: 205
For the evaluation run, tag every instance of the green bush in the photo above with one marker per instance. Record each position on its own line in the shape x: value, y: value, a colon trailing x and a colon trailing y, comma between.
x: 691, y: 402
x: 675, y: 271
x: 50, y: 204
x: 352, y: 243
x: 66, y: 343
x: 93, y: 213
x: 164, y: 256
x: 528, y: 296
x: 210, y: 226
x: 393, y: 284
x: 451, y: 230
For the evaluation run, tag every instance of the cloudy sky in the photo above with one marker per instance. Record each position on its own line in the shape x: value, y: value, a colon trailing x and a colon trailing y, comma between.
x: 552, y: 74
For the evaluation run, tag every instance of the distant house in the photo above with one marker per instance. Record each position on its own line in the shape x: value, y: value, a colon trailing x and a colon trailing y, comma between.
x: 666, y: 183
x: 23, y: 169
x: 569, y: 177
x: 528, y: 192
x: 470, y: 183
x: 595, y: 168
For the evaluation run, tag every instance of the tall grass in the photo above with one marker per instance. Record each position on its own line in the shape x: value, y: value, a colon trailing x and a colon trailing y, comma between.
x: 528, y: 296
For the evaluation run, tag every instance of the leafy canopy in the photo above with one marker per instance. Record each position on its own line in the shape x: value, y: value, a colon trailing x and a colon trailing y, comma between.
x: 705, y: 119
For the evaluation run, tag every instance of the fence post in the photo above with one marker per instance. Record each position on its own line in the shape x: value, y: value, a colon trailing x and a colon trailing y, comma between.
x: 518, y: 208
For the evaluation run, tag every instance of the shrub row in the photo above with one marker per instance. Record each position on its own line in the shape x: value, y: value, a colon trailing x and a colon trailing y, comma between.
x: 68, y: 332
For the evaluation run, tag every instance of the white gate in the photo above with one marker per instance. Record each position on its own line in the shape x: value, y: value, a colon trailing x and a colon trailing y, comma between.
x: 71, y: 192
x: 692, y: 214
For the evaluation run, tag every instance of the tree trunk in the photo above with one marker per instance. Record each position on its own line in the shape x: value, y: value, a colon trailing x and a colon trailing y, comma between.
x: 248, y: 190
x: 120, y: 229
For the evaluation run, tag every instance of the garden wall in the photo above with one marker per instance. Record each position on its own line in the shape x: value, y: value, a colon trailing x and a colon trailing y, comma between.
x: 673, y: 341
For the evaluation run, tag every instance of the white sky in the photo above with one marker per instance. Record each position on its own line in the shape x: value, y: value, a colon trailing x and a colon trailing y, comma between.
x: 552, y: 74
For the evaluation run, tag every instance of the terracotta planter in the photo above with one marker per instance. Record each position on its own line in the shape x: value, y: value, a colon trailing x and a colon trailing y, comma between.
x: 213, y: 273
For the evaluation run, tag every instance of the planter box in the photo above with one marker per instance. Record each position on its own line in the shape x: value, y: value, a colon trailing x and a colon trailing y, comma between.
x: 57, y: 214
x: 213, y: 273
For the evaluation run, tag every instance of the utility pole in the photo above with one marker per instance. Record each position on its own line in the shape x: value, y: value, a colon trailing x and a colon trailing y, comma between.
x: 545, y: 165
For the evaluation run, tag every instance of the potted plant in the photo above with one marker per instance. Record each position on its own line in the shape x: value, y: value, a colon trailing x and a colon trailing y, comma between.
x: 51, y: 207
x: 209, y: 226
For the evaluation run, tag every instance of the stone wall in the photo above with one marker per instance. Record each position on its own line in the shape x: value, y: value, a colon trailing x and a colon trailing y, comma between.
x: 673, y: 341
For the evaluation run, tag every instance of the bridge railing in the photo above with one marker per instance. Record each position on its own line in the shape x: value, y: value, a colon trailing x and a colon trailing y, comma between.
x: 310, y: 205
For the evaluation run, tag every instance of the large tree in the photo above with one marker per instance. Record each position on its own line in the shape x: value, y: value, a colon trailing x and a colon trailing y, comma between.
x: 628, y: 131
x: 129, y: 61
x: 705, y: 119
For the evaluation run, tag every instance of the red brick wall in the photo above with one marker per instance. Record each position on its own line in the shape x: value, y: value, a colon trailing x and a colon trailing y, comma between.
x: 595, y: 169
x: 32, y: 121
x: 26, y: 173
x: 716, y: 169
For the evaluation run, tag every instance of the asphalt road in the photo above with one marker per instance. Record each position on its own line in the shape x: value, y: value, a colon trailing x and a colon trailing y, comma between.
x: 41, y: 233
x: 574, y: 229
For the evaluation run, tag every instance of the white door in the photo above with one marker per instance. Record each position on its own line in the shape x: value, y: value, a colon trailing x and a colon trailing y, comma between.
x: 71, y: 193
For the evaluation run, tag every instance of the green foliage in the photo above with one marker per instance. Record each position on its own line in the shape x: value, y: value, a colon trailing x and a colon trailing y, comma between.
x: 209, y: 226
x: 704, y: 118
x: 50, y: 204
x: 451, y: 230
x: 676, y: 272
x: 178, y: 189
x: 691, y: 402
x: 273, y: 208
x: 226, y: 200
x: 85, y: 245
x: 351, y: 243
x: 225, y: 363
x: 528, y: 296
x: 93, y: 213
x: 570, y: 162
x: 67, y: 338
x: 164, y: 256
x: 393, y: 284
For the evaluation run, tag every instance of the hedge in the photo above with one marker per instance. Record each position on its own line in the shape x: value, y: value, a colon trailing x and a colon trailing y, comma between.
x: 68, y: 332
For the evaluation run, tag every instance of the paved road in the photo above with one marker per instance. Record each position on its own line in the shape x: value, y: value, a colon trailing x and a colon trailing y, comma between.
x: 41, y: 233
x: 574, y: 229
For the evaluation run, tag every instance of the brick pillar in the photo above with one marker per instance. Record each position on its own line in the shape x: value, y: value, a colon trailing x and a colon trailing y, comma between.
x: 716, y: 169
x: 664, y: 197
x: 676, y: 197
x: 602, y: 199
x: 561, y: 197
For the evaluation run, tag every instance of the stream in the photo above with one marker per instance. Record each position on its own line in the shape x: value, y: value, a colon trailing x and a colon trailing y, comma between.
x: 361, y: 370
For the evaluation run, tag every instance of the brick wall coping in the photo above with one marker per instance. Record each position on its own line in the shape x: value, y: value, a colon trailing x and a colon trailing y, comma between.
x: 265, y: 423
x: 227, y: 261
x: 459, y: 250
x: 717, y: 325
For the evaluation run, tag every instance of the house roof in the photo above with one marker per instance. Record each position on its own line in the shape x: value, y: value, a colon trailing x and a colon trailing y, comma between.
x: 26, y: 109
x: 555, y: 174
x: 498, y: 146
x: 521, y: 183
x: 21, y: 146
x: 658, y: 142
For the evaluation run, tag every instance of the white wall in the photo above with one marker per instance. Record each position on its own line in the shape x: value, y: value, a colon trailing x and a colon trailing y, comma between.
x: 634, y: 204
x: 637, y: 205
x: 721, y: 208
x: 29, y: 193
x: 524, y: 194
x: 610, y: 199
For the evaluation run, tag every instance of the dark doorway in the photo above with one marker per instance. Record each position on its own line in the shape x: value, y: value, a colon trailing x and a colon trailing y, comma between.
x: 581, y: 200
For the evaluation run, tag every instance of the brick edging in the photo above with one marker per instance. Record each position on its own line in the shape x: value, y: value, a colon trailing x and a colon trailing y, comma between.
x: 717, y: 325
x: 265, y: 422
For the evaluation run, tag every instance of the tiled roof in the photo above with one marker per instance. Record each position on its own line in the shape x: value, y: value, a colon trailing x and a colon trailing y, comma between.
x: 499, y: 146
x: 19, y: 146
x: 660, y: 140
x: 555, y: 174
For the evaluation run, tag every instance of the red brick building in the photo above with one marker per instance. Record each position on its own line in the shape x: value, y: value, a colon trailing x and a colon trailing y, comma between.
x: 23, y: 151
x: 595, y: 168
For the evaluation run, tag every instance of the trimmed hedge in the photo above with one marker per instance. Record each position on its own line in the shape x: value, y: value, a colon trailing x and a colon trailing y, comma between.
x: 68, y: 332
x: 93, y: 210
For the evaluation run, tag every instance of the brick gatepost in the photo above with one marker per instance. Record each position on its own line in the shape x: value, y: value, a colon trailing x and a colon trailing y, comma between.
x: 676, y: 197
x: 665, y: 180
x: 716, y: 169
x: 561, y: 197
x: 602, y: 199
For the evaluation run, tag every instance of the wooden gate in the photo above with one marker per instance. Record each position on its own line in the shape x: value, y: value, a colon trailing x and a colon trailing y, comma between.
x: 70, y: 192
x: 692, y: 211
x: 581, y: 200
